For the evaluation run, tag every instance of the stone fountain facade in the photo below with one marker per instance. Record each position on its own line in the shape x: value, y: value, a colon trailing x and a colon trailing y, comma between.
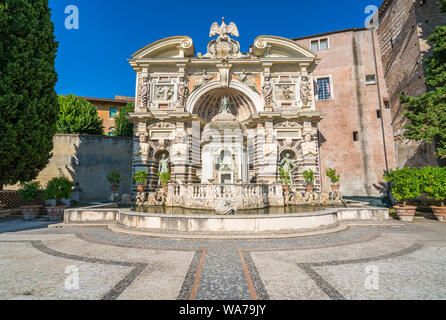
x: 225, y: 120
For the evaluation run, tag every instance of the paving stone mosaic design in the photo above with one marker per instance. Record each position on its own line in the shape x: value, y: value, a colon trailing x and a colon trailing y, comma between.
x: 404, y: 261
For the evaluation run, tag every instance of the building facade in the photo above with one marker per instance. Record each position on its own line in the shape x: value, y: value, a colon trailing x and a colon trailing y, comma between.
x: 355, y: 136
x: 404, y: 26
x: 317, y: 101
x: 108, y: 110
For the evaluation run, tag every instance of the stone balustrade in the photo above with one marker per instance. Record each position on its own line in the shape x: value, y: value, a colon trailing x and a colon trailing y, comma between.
x: 241, y: 196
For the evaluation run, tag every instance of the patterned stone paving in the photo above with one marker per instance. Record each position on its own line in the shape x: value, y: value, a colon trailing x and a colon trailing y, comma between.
x: 363, y: 262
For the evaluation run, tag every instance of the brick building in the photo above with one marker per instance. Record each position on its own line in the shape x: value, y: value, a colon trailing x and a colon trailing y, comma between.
x: 108, y: 110
x: 355, y: 136
x: 404, y: 26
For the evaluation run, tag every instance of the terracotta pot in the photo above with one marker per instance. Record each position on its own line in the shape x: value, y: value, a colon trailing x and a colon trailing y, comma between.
x: 56, y: 213
x: 309, y: 188
x: 30, y: 212
x: 286, y: 187
x: 141, y: 188
x: 440, y: 213
x: 165, y: 189
x: 114, y: 188
x: 405, y: 213
x: 335, y: 187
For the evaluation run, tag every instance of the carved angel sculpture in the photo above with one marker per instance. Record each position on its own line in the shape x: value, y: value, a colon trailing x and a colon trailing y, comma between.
x: 244, y: 78
x: 205, y: 78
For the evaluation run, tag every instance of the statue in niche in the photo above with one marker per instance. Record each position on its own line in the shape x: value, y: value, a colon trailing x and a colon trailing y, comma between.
x: 183, y: 92
x: 205, y: 78
x: 289, y: 165
x: 309, y: 147
x: 226, y: 162
x: 225, y: 105
x: 145, y: 92
x: 244, y: 78
x: 267, y: 91
x: 163, y: 166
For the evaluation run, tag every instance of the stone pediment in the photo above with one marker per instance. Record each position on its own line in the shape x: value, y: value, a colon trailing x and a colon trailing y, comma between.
x: 278, y: 47
x: 172, y: 47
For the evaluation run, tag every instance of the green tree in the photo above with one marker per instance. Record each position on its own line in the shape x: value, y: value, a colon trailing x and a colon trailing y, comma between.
x: 124, y: 128
x: 427, y: 113
x: 443, y: 5
x: 78, y: 116
x: 28, y: 101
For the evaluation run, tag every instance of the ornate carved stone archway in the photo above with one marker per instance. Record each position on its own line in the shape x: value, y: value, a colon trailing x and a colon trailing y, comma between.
x: 208, y: 104
x: 203, y: 100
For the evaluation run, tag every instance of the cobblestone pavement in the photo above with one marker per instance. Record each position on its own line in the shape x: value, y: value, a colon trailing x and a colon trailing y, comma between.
x: 405, y: 261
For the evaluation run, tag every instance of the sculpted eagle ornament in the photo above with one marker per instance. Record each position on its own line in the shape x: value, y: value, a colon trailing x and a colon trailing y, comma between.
x: 223, y: 29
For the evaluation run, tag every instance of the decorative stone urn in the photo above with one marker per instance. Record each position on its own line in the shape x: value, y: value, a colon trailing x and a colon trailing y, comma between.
x: 440, y: 213
x: 30, y: 212
x: 405, y: 213
x: 56, y: 213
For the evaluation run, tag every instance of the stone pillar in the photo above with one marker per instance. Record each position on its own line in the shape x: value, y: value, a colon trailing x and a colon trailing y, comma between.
x: 141, y: 152
x: 270, y: 153
x: 180, y: 154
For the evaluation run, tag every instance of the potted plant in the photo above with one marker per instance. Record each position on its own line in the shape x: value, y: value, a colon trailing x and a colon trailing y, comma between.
x: 334, y: 178
x: 309, y: 180
x: 141, y: 178
x: 58, y: 188
x: 433, y: 184
x: 115, y: 179
x: 164, y: 178
x: 30, y: 191
x: 404, y: 185
x: 285, y: 177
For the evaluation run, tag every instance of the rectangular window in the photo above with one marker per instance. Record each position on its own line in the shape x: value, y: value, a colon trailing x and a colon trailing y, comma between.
x: 321, y: 44
x: 355, y: 136
x: 370, y: 79
x: 387, y: 104
x: 113, y: 112
x: 378, y: 114
x: 323, y: 89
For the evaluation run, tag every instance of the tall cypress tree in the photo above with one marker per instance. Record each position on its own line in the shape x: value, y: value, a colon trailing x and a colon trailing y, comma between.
x: 28, y: 101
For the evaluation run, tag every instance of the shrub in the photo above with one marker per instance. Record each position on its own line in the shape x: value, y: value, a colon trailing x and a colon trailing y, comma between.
x: 30, y: 190
x: 309, y: 177
x: 405, y: 184
x: 124, y: 128
x: 114, y: 178
x: 58, y: 188
x: 78, y: 116
x: 433, y: 183
x: 334, y: 178
x: 285, y: 176
x: 164, y: 177
x: 140, y: 177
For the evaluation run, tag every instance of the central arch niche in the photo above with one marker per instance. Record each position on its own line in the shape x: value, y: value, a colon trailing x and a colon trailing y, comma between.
x: 208, y: 104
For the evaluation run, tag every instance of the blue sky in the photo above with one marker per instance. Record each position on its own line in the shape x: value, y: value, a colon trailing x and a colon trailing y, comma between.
x: 92, y: 61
